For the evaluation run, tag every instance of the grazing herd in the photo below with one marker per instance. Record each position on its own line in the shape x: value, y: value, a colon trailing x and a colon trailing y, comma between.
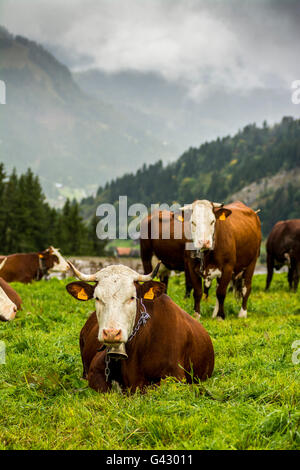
x: 137, y: 335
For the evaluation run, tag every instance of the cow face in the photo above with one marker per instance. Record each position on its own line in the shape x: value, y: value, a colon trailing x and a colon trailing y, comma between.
x: 203, y: 220
x: 8, y: 309
x: 115, y: 295
x: 54, y: 260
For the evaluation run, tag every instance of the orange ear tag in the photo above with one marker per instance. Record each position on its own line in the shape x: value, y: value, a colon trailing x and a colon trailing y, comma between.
x: 82, y: 295
x: 41, y: 256
x: 222, y: 216
x: 180, y: 218
x: 150, y: 294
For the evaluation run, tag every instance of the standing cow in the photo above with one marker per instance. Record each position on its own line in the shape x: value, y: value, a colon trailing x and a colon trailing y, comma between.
x: 27, y: 267
x: 140, y: 323
x: 10, y: 301
x: 226, y: 243
x: 283, y: 247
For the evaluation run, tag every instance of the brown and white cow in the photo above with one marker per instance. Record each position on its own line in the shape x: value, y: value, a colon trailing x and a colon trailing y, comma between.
x: 283, y: 248
x: 226, y: 245
x: 26, y: 267
x: 10, y: 301
x: 140, y: 323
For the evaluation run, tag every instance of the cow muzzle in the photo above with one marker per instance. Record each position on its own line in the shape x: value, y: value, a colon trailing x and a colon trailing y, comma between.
x: 111, y: 336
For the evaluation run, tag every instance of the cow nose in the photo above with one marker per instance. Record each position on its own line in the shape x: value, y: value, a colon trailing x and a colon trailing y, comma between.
x: 112, y: 335
x: 206, y: 244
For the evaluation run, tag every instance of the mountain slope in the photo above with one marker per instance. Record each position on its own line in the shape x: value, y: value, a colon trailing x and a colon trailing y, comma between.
x: 64, y: 135
x: 218, y: 170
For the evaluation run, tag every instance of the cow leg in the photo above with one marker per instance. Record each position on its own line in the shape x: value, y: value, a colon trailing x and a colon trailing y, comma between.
x: 165, y: 280
x: 188, y: 284
x: 293, y: 275
x: 146, y: 255
x: 246, y: 288
x: 197, y: 282
x: 270, y: 267
x: 221, y: 294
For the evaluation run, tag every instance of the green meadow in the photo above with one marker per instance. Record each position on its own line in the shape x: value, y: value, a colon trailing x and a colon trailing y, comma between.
x: 250, y: 402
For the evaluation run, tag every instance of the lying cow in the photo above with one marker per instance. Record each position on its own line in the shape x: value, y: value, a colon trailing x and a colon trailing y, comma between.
x: 26, y: 267
x: 283, y: 248
x: 141, y: 323
x: 10, y: 302
x: 226, y: 245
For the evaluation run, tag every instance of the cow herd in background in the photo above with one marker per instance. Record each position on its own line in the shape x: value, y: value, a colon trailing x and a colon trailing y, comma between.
x: 134, y: 319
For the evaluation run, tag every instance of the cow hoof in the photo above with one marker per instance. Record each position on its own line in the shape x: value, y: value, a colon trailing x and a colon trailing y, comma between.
x: 197, y: 316
x: 219, y: 318
x: 243, y: 313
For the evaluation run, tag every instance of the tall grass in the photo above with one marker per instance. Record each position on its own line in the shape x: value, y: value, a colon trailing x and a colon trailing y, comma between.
x: 250, y: 402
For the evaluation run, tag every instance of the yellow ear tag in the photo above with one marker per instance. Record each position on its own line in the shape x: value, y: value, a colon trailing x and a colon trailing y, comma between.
x: 180, y: 218
x: 150, y: 294
x: 41, y: 256
x: 82, y: 295
x: 222, y: 216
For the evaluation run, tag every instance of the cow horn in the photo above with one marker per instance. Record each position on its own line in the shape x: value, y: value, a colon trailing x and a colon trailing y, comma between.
x: 218, y: 204
x: 149, y: 277
x: 185, y: 208
x: 83, y: 277
x: 3, y: 263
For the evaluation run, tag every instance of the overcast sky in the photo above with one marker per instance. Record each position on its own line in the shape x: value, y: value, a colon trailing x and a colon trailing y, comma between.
x: 236, y: 45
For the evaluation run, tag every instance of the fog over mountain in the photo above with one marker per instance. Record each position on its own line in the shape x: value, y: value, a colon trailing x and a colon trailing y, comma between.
x: 150, y: 79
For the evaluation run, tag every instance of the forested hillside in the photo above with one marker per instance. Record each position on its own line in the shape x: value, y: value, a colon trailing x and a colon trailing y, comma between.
x: 28, y: 223
x: 217, y: 170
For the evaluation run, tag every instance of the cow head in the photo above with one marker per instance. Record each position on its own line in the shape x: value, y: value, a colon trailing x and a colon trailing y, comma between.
x: 203, y: 220
x: 115, y: 292
x: 8, y: 309
x: 53, y: 260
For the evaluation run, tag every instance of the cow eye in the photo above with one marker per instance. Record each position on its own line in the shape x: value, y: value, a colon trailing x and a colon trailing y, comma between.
x: 212, y: 222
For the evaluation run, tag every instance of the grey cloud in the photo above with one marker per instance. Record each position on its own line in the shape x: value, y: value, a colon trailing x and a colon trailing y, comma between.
x: 206, y: 46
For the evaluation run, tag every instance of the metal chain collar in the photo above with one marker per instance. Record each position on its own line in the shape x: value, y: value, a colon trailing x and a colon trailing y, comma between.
x: 141, y: 321
x: 106, y: 370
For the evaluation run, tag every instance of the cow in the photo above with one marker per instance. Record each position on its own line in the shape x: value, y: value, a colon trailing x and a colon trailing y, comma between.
x: 10, y: 301
x: 26, y: 267
x: 283, y: 248
x: 226, y: 245
x: 163, y: 236
x: 137, y: 322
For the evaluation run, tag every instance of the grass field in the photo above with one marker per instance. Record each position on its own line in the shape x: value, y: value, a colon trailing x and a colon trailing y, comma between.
x: 250, y: 402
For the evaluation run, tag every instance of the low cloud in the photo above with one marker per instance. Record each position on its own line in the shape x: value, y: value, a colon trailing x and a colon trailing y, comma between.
x: 207, y: 46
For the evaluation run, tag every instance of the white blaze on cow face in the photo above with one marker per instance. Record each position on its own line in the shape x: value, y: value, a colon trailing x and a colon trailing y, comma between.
x: 203, y: 222
x: 115, y: 296
x: 61, y: 265
x: 8, y: 309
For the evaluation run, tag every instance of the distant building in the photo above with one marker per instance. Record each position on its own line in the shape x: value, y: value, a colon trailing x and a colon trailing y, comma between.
x: 126, y: 251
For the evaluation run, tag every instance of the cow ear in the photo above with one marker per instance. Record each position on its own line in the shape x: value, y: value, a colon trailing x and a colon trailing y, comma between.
x: 222, y: 214
x: 81, y: 290
x: 150, y: 290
